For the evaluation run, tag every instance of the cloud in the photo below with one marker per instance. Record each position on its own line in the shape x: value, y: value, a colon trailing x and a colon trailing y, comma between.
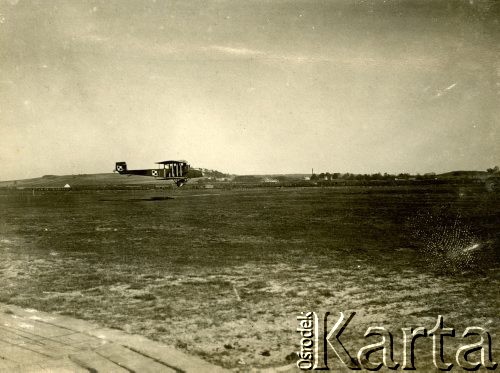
x: 342, y: 57
x: 232, y: 51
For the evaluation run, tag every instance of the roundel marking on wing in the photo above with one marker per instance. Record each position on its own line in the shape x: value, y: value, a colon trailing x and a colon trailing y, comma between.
x: 154, y: 173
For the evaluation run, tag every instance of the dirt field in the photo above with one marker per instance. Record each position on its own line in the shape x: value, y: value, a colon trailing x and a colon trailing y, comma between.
x: 223, y: 274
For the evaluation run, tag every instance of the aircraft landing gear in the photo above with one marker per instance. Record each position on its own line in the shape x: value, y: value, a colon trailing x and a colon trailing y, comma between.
x: 180, y: 182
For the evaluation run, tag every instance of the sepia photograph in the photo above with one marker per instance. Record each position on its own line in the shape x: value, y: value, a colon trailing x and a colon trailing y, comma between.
x: 249, y: 186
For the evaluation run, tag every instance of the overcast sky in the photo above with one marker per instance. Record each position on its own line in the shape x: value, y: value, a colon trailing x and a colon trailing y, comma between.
x: 249, y: 86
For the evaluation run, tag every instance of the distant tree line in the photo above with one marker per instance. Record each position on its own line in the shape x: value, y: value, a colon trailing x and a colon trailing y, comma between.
x: 401, y: 176
x: 376, y: 176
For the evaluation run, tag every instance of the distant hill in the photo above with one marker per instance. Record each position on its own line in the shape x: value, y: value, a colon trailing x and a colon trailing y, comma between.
x: 82, y: 179
x: 114, y: 179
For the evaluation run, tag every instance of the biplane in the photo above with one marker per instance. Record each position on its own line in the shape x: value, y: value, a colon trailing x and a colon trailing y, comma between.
x: 179, y: 171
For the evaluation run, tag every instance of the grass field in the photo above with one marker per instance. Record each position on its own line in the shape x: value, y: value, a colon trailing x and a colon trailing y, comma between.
x: 223, y: 274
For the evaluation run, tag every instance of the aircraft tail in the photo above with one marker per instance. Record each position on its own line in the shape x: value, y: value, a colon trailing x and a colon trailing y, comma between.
x: 121, y: 167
